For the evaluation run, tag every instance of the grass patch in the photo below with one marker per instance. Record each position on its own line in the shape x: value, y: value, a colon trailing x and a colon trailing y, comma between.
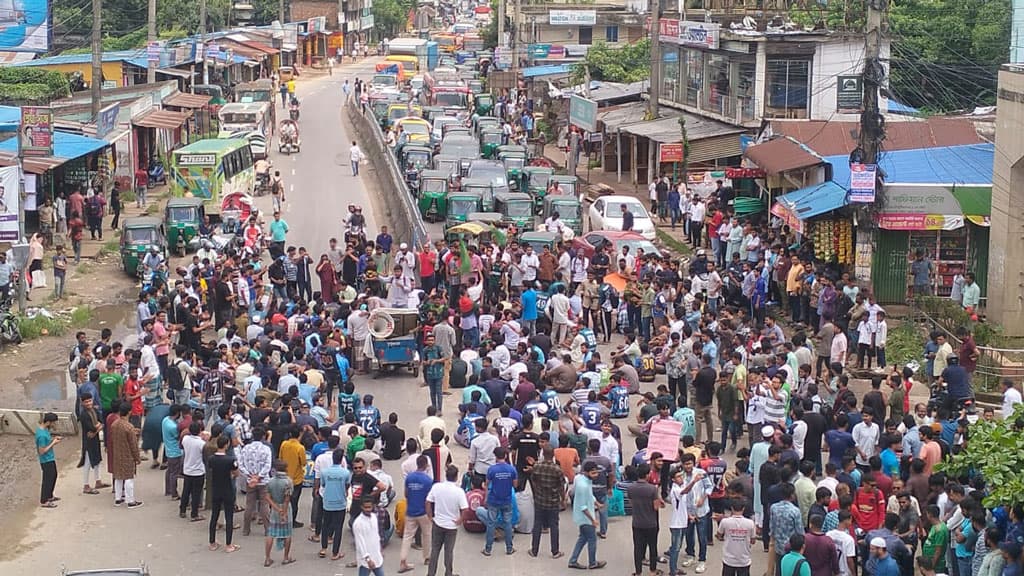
x: 83, y: 268
x: 152, y: 208
x: 33, y: 328
x: 673, y: 244
x: 109, y: 247
x: 80, y: 317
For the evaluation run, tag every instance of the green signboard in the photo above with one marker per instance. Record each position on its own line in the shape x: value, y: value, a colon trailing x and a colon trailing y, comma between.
x: 583, y: 113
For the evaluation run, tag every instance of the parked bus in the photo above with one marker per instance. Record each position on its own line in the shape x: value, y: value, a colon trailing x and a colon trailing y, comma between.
x: 211, y: 169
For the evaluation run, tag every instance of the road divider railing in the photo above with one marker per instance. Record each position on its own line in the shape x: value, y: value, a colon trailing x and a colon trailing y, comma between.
x: 401, y: 214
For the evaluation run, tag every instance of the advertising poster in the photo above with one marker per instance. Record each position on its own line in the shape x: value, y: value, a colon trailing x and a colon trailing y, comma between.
x: 9, y: 204
x: 24, y: 25
x: 35, y: 136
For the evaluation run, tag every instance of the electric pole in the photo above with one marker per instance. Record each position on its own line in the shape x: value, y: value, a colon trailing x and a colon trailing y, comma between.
x: 150, y: 38
x: 96, y: 86
x: 655, y: 87
x: 202, y: 37
x: 280, y: 11
x: 501, y: 23
x: 872, y: 131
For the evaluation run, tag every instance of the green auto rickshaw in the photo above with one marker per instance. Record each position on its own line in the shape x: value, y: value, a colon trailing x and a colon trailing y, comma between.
x: 514, y: 163
x: 484, y: 188
x: 460, y: 204
x: 489, y: 142
x: 569, y: 211
x: 484, y: 104
x: 515, y: 208
x: 433, y: 198
x: 534, y: 181
x: 182, y: 218
x: 568, y: 184
x: 539, y: 240
x: 416, y: 156
x: 486, y: 122
x: 513, y: 148
x: 138, y: 235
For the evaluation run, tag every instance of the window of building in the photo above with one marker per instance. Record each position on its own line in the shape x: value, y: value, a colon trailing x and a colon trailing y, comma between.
x: 611, y: 33
x: 586, y: 35
x: 670, y: 87
x: 718, y: 84
x: 786, y: 93
x: 694, y: 67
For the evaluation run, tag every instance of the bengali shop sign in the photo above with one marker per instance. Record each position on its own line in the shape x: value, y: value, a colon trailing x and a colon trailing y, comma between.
x: 672, y: 152
x: 36, y: 133
x: 907, y: 221
x: 668, y: 30
x: 863, y: 178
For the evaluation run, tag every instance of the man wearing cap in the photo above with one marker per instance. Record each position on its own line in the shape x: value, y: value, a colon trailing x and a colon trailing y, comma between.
x: 758, y: 456
x: 884, y: 563
x: 405, y: 259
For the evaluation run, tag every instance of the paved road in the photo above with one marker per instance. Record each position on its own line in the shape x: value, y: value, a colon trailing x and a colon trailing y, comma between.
x: 87, y: 532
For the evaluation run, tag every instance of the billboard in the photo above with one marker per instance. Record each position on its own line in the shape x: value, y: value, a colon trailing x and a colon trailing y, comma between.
x: 10, y: 184
x: 35, y: 135
x: 24, y: 25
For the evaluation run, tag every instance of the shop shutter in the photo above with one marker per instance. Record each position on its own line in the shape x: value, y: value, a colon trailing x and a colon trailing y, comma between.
x: 715, y: 148
x: 889, y: 273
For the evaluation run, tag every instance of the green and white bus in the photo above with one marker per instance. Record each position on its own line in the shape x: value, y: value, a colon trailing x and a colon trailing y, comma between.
x: 212, y: 169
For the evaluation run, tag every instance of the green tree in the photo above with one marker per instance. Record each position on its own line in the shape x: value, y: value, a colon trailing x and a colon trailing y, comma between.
x: 995, y: 450
x: 391, y: 16
x: 630, y: 63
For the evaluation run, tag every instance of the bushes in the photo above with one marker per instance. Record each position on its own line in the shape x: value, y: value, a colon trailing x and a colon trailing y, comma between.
x: 32, y: 85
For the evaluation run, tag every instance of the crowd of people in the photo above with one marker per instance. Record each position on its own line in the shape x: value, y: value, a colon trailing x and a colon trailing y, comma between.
x: 553, y: 375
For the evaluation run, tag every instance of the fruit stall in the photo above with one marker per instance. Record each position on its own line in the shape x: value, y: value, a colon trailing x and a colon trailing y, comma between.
x: 833, y: 239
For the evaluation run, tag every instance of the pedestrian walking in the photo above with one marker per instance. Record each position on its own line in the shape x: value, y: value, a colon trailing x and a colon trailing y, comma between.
x: 355, y: 157
x: 223, y: 471
x: 125, y: 457
x: 417, y: 488
x: 366, y: 533
x: 584, y: 515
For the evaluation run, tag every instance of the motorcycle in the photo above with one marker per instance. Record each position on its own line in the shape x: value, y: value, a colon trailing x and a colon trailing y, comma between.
x: 293, y: 111
x: 939, y: 398
x: 157, y: 174
x: 10, y: 331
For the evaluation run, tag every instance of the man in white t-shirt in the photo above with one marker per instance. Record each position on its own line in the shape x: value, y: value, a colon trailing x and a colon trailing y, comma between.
x: 866, y: 435
x: 845, y: 545
x: 445, y: 504
x: 529, y: 263
x: 1011, y: 397
x: 739, y: 533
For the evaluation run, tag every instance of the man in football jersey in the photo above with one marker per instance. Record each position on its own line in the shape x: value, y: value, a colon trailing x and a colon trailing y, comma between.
x: 369, y: 417
x: 619, y: 397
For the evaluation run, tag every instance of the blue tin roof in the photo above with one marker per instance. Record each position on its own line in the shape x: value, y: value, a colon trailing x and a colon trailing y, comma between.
x: 65, y: 145
x: 814, y: 200
x: 967, y: 164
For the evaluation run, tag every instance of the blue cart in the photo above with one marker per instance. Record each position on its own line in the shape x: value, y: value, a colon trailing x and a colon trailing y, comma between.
x: 400, y: 351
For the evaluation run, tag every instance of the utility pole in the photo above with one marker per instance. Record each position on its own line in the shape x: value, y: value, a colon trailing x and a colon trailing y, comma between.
x: 872, y: 131
x: 280, y: 11
x: 96, y: 86
x: 150, y: 38
x: 202, y: 37
x: 655, y: 87
x: 501, y: 23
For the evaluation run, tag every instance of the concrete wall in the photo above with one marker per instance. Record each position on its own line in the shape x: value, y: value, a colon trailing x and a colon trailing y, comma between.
x: 840, y: 57
x: 1006, y: 241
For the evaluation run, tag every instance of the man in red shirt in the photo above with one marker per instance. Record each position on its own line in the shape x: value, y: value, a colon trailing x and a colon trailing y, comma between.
x: 968, y: 350
x: 716, y: 245
x: 868, y: 505
x: 76, y: 228
x: 133, y: 393
x: 141, y: 184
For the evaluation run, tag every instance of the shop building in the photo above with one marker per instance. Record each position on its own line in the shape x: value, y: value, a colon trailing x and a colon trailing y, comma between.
x: 554, y: 32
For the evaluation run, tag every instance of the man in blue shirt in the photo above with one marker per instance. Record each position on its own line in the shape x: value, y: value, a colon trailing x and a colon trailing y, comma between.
x: 417, y: 486
x: 885, y: 564
x: 334, y: 481
x: 278, y: 232
x: 369, y: 417
x: 501, y: 483
x: 172, y: 451
x: 45, y: 441
x: 528, y: 319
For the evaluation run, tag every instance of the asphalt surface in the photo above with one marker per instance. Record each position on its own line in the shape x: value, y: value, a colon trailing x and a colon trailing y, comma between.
x: 88, y: 532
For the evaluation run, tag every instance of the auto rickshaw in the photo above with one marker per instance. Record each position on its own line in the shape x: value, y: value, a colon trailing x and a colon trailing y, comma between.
x: 480, y: 231
x: 482, y: 187
x: 414, y: 159
x: 138, y: 235
x: 483, y: 123
x: 286, y: 73
x: 513, y: 148
x: 489, y: 142
x: 288, y: 140
x: 494, y: 218
x: 515, y: 208
x: 476, y: 87
x: 567, y: 183
x: 432, y: 112
x: 182, y: 218
x: 514, y: 163
x: 460, y: 204
x: 539, y: 240
x: 534, y: 181
x: 569, y: 211
x: 484, y: 104
x: 379, y: 102
x: 433, y: 194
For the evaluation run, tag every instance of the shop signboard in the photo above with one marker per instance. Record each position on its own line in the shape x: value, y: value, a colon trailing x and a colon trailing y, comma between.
x: 670, y: 152
x: 153, y: 50
x: 849, y: 93
x: 791, y: 220
x: 556, y: 52
x: 862, y: 183
x: 905, y: 221
x: 107, y: 120
x: 9, y: 187
x: 703, y: 34
x: 583, y: 113
x: 35, y: 135
x: 572, y: 17
x: 668, y: 30
x: 538, y: 50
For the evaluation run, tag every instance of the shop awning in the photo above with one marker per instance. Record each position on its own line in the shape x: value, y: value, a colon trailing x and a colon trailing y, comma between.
x: 805, y: 203
x: 667, y: 130
x: 66, y: 146
x: 547, y: 70
x: 971, y: 164
x: 166, y: 119
x: 185, y: 100
x: 782, y: 155
x: 615, y: 117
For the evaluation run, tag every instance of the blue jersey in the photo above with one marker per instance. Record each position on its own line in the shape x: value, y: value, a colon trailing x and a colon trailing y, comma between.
x: 619, y: 395
x: 369, y: 420
x: 535, y: 407
x: 589, y: 337
x: 591, y: 415
x: 550, y: 397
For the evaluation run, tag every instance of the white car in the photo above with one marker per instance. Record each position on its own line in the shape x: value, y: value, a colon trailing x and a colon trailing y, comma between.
x: 606, y: 214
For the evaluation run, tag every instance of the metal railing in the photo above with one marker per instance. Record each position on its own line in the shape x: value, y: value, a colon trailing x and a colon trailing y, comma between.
x: 399, y: 207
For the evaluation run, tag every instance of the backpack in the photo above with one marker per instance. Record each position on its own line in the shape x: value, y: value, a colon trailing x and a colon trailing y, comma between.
x: 174, y: 380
